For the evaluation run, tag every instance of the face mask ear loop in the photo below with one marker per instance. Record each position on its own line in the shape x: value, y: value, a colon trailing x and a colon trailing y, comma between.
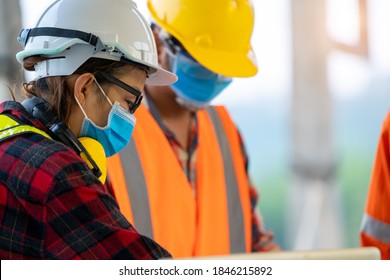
x: 81, y: 107
x: 101, y: 89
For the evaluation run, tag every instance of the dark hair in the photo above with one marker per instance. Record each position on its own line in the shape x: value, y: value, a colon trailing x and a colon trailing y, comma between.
x: 55, y: 90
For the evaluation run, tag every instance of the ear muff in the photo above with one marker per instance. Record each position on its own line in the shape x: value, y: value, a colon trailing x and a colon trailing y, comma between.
x: 96, y: 151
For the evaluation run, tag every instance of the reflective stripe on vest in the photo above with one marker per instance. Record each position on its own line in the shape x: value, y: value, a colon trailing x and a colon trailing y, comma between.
x: 236, y: 219
x: 11, y: 128
x: 138, y: 196
x: 376, y: 229
x: 162, y: 205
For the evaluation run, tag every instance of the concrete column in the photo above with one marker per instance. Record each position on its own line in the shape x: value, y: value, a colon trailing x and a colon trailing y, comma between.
x: 10, y: 25
x: 314, y: 216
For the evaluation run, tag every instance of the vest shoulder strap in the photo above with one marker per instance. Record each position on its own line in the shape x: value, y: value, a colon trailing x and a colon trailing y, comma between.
x: 9, y: 127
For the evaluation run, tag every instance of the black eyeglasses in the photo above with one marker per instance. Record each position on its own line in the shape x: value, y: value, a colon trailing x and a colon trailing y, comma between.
x: 138, y: 95
x: 175, y: 46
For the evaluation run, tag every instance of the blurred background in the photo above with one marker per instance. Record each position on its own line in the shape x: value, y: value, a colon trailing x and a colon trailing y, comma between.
x: 310, y: 118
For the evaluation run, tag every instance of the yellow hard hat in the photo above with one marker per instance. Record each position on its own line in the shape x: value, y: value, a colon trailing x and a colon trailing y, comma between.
x: 216, y: 33
x: 96, y: 150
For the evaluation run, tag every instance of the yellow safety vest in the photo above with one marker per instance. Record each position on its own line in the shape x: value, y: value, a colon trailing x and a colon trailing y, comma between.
x: 154, y: 194
x: 11, y: 128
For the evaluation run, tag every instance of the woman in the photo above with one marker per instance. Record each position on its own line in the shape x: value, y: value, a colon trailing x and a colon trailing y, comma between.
x: 91, y: 60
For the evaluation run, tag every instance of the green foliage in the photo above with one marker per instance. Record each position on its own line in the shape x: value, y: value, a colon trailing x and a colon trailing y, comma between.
x: 272, y: 204
x: 353, y: 175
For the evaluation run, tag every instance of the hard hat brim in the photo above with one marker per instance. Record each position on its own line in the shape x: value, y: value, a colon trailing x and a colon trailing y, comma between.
x: 161, y: 78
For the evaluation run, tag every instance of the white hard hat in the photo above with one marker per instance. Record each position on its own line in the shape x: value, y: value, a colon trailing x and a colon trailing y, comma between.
x: 70, y: 32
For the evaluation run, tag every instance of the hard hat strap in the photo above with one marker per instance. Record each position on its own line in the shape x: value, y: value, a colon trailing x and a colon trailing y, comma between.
x: 25, y: 34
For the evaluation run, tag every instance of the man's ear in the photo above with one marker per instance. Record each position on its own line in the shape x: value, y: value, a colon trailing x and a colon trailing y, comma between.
x: 83, y: 87
x: 161, y: 52
x: 159, y: 44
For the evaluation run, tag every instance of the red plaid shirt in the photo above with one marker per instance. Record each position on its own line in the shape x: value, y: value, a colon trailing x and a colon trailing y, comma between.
x: 53, y: 207
x: 262, y: 239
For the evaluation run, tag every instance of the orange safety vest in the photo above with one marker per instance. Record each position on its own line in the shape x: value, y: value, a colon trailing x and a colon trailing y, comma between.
x: 155, y: 196
x: 376, y: 220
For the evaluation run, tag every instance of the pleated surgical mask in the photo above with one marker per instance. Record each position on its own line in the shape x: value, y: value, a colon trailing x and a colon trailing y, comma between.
x: 116, y: 134
x: 197, y: 86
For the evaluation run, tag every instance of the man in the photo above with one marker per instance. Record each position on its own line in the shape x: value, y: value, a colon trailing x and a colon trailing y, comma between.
x: 183, y: 180
x: 376, y: 220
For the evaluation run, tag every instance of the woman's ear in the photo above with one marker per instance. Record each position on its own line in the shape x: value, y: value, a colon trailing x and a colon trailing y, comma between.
x: 83, y: 87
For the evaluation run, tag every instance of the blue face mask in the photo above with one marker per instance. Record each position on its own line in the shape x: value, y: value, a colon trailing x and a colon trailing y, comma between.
x: 197, y: 85
x: 116, y: 134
